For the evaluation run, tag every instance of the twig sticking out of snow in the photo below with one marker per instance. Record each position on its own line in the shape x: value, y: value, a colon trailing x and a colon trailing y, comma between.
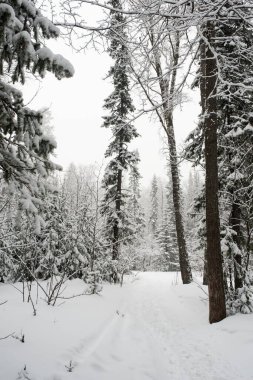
x: 70, y: 367
x: 20, y: 337
x: 7, y: 336
x: 24, y: 375
x: 200, y: 287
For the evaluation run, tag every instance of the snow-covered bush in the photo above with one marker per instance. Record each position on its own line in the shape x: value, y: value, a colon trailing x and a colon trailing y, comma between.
x: 94, y: 281
x: 242, y: 299
x: 108, y: 268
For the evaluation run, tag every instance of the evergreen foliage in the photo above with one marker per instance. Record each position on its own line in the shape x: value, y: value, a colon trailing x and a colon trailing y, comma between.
x: 24, y: 146
x: 153, y: 220
x: 134, y: 207
x: 167, y: 237
x: 233, y: 48
x: 119, y: 105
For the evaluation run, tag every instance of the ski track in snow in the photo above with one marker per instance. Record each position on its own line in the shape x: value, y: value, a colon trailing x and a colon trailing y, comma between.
x: 177, y: 330
x: 153, y: 336
x: 153, y: 330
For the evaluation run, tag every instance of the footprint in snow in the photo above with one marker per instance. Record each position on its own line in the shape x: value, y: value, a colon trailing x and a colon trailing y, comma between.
x: 120, y: 314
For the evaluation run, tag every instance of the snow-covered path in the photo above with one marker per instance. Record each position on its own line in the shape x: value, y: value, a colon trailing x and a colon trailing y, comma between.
x: 177, y: 325
x: 158, y: 334
x: 149, y: 329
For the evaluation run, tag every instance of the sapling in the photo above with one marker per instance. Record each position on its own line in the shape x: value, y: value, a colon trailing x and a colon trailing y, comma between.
x: 94, y: 282
x: 70, y: 367
x: 24, y: 374
x: 20, y: 337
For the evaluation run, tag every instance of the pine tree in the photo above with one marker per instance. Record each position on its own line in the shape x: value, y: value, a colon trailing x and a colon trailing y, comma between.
x: 24, y: 145
x: 189, y: 199
x: 167, y: 236
x: 225, y: 82
x: 153, y: 219
x: 120, y: 105
x: 235, y: 44
x: 54, y: 241
x: 81, y: 189
x: 193, y: 217
x: 135, y: 211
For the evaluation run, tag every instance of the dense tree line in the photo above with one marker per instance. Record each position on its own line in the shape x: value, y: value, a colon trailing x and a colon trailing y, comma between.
x: 73, y: 242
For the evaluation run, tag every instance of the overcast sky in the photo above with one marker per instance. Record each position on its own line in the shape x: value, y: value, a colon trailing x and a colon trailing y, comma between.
x: 76, y: 106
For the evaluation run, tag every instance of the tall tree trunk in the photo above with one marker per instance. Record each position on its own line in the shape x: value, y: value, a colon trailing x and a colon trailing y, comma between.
x: 183, y: 254
x: 116, y: 229
x: 235, y: 222
x: 168, y: 94
x: 205, y: 272
x: 217, y: 307
x: 203, y: 106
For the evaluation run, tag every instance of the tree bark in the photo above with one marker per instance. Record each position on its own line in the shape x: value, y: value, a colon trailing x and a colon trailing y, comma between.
x: 205, y: 273
x: 203, y: 106
x: 235, y: 222
x: 116, y: 230
x: 217, y: 307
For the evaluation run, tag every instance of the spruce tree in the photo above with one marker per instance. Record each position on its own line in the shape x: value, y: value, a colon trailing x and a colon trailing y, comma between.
x: 192, y: 219
x: 235, y: 44
x: 120, y: 106
x: 225, y: 81
x: 24, y: 146
x: 153, y: 219
x: 134, y: 208
x: 167, y: 236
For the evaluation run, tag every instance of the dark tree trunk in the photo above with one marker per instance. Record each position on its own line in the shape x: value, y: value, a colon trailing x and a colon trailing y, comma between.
x: 235, y: 222
x: 115, y: 244
x: 205, y: 273
x: 203, y: 106
x: 248, y: 243
x: 116, y: 230
x: 118, y: 202
x: 217, y: 307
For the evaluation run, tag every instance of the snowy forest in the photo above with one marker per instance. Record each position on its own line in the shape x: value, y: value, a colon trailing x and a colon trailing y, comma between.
x: 101, y: 276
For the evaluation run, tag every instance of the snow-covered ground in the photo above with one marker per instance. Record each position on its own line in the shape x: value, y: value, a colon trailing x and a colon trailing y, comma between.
x: 152, y: 328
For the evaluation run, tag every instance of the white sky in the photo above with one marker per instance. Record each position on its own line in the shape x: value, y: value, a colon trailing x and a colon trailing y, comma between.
x: 76, y: 106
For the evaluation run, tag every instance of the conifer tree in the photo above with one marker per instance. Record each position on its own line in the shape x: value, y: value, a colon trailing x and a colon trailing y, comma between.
x: 24, y: 145
x: 120, y: 106
x: 192, y: 218
x: 54, y: 240
x: 153, y: 219
x: 167, y: 236
x: 225, y: 82
x: 235, y: 156
x: 134, y: 208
